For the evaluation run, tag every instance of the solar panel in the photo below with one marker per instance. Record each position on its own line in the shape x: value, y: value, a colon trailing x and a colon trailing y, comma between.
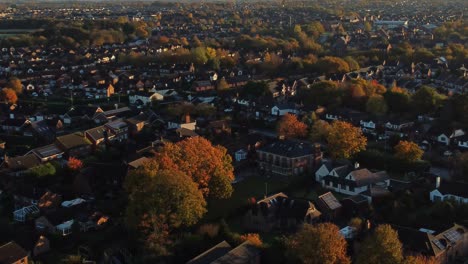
x: 438, y: 244
x: 452, y: 235
x: 331, y: 201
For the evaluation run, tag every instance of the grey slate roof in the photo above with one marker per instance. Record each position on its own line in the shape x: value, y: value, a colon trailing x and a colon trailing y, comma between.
x: 288, y: 148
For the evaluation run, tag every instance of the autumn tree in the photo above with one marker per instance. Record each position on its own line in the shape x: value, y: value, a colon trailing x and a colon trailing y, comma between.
x: 253, y: 238
x: 15, y: 84
x: 290, y: 127
x: 419, y: 259
x: 344, y: 140
x: 318, y: 244
x: 382, y: 246
x: 167, y: 194
x: 155, y: 233
x: 8, y: 96
x: 207, y: 165
x: 376, y: 105
x: 222, y: 85
x: 74, y: 164
x: 408, y: 151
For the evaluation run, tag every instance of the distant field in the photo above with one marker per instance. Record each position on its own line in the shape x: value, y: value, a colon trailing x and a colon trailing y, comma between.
x: 4, y: 33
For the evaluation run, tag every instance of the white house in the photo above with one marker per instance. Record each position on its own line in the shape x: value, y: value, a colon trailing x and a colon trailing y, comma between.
x: 352, y: 180
x: 446, y: 138
x: 144, y: 98
x: 456, y: 191
x: 241, y: 154
x: 281, y: 110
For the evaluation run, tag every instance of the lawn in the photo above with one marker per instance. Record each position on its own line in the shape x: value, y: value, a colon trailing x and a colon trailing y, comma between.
x: 251, y: 187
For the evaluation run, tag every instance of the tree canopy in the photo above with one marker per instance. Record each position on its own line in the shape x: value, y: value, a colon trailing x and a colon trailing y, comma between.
x: 207, y: 165
x: 318, y: 244
x: 408, y: 151
x: 382, y: 246
x: 290, y: 127
x: 344, y: 140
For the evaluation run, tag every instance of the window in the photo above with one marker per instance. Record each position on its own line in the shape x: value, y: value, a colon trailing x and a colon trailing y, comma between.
x: 437, y: 198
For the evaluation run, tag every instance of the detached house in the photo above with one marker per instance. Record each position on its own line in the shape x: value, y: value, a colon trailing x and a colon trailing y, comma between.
x: 280, y: 211
x: 12, y: 253
x: 75, y: 145
x: 352, y: 180
x: 288, y: 158
x: 456, y: 191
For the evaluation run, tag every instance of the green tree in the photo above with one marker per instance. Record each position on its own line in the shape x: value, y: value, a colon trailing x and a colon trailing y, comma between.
x: 382, y: 246
x: 376, y: 105
x: 427, y: 100
x: 344, y: 140
x: 43, y: 170
x: 319, y: 131
x: 166, y: 193
x: 330, y: 65
x: 318, y: 244
x: 353, y: 64
x: 199, y: 55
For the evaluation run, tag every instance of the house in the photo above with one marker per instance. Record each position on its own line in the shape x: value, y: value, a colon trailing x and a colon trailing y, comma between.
x: 462, y: 142
x: 282, y: 109
x: 241, y: 154
x: 136, y: 123
x: 444, y: 191
x: 12, y: 253
x: 329, y: 206
x: 144, y: 98
x: 446, y: 138
x: 352, y: 181
x: 109, y: 115
x: 42, y: 246
x: 245, y: 253
x: 285, y: 157
x: 49, y: 202
x: 24, y: 213
x: 47, y: 153
x: 447, y: 246
x: 74, y: 145
x: 20, y: 164
x: 278, y: 211
x: 118, y: 128
x: 186, y: 122
x: 15, y: 125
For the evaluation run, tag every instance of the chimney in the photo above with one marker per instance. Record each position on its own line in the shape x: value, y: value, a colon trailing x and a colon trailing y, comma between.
x: 116, y: 106
x: 281, y: 137
x: 187, y: 118
x: 12, y: 116
x: 437, y: 182
x: 356, y: 165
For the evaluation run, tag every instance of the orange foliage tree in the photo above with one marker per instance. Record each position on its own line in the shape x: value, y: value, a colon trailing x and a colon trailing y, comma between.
x: 290, y: 127
x: 344, y: 140
x: 155, y: 233
x: 74, y: 164
x: 419, y: 259
x: 253, y: 238
x: 8, y: 96
x: 408, y: 151
x: 208, y: 166
x: 318, y: 244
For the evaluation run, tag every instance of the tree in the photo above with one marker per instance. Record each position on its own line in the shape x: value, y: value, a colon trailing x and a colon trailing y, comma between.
x: 199, y: 55
x: 290, y: 127
x: 167, y: 194
x: 356, y: 223
x: 222, y: 85
x: 419, y: 259
x: 252, y: 238
x: 345, y: 140
x: 330, y: 65
x: 319, y: 130
x: 353, y: 64
x: 318, y: 244
x: 15, y: 84
x: 43, y: 170
x: 207, y: 165
x: 382, y: 246
x: 155, y: 233
x: 408, y: 151
x: 376, y: 105
x: 398, y: 100
x: 74, y: 164
x: 8, y: 96
x: 426, y: 100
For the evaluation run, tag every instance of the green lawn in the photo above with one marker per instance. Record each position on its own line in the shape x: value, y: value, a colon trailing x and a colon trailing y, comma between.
x: 251, y: 187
